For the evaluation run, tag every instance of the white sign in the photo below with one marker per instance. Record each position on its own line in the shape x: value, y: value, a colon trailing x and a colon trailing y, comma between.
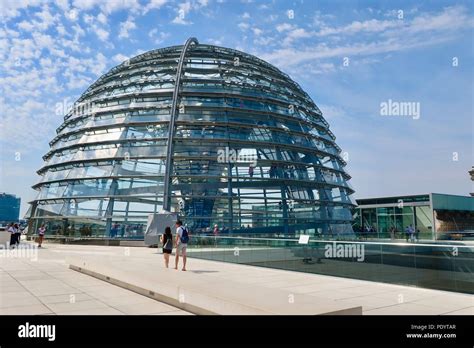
x: 304, y: 239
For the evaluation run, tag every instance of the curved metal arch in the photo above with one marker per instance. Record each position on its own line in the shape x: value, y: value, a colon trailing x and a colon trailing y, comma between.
x: 169, y: 152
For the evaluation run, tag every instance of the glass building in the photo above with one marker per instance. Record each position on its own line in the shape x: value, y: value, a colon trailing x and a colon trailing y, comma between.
x: 217, y: 135
x: 9, y: 208
x: 434, y: 216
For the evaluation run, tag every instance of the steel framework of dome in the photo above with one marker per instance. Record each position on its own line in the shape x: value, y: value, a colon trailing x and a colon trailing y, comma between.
x: 217, y: 135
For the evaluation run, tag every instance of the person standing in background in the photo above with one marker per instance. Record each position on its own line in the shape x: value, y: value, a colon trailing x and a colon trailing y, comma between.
x: 11, y: 230
x: 411, y: 232
x: 182, y: 239
x: 17, y: 234
x: 41, y: 232
x: 167, y: 241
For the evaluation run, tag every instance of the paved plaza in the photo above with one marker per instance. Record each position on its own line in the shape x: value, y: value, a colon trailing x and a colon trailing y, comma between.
x: 46, y: 284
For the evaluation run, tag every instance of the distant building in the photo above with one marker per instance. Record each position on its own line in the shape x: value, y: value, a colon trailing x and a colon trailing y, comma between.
x: 472, y: 178
x: 436, y: 216
x: 9, y: 208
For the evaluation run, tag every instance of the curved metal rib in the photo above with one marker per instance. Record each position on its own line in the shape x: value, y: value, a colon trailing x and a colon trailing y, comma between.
x: 169, y: 151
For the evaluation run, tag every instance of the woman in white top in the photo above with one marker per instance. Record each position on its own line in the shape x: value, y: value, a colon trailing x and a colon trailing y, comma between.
x: 17, y: 234
x: 41, y: 232
x: 12, y: 230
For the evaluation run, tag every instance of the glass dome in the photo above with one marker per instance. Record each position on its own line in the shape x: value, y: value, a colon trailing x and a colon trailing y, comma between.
x: 217, y: 135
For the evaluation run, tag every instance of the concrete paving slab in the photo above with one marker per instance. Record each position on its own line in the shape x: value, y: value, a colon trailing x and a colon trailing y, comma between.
x: 376, y: 298
x: 145, y: 308
x: 13, y: 299
x: 404, y: 309
x: 60, y: 307
x: 47, y: 286
x: 27, y: 309
x: 131, y: 299
x: 464, y: 311
x: 67, y: 298
x: 193, y: 292
x: 93, y: 311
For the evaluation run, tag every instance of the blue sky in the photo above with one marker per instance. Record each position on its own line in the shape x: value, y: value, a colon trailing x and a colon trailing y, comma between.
x: 350, y: 56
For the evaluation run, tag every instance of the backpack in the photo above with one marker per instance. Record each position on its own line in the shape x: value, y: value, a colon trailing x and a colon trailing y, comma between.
x: 184, y: 235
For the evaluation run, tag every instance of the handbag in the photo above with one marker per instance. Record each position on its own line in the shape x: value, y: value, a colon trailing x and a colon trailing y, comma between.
x: 169, y: 244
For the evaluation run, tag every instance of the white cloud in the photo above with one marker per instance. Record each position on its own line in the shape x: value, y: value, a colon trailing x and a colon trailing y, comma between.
x: 355, y: 27
x: 25, y: 25
x: 8, y: 33
x: 183, y: 11
x: 102, y: 18
x: 125, y: 27
x: 243, y: 26
x: 185, y: 8
x: 217, y: 42
x: 88, y: 19
x: 450, y: 18
x: 72, y: 15
x: 257, y: 31
x: 290, y: 56
x: 263, y: 40
x: 78, y: 82
x: 42, y: 40
x: 110, y: 6
x: 85, y: 4
x: 120, y: 58
x: 102, y: 34
x: 295, y: 34
x: 95, y: 23
x: 284, y: 27
x: 61, y: 30
x: 78, y: 31
x: 63, y: 5
x: 386, y: 36
x: 47, y: 19
x: 11, y: 9
x: 154, y: 5
x: 158, y: 37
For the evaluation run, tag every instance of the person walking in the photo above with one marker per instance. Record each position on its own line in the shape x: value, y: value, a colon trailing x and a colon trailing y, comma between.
x: 412, y: 234
x: 407, y: 233
x: 41, y: 232
x: 182, y: 239
x: 167, y: 241
x: 392, y: 232
x: 17, y: 234
x: 215, y: 233
x: 114, y: 230
x: 11, y: 230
